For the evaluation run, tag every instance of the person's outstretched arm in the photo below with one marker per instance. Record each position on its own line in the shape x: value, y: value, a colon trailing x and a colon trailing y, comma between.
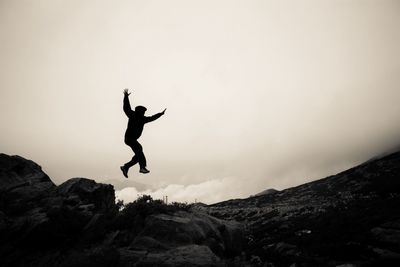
x: 127, y: 105
x: 155, y: 116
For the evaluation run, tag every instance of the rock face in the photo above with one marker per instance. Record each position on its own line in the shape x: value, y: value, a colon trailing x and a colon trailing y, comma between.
x: 39, y: 218
x: 89, y: 192
x: 349, y: 219
x: 78, y: 224
x: 22, y: 179
x: 191, y: 237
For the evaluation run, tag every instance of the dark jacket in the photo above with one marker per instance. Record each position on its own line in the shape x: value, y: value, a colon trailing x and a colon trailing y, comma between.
x: 136, y: 122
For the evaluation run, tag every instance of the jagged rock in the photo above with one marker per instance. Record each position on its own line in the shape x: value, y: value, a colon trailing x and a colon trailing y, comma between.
x: 16, y: 171
x: 36, y: 216
x: 21, y: 181
x: 89, y: 192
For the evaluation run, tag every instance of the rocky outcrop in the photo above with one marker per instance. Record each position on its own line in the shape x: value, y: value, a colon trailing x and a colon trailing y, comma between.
x: 39, y: 218
x: 78, y: 224
x: 169, y: 232
x: 179, y: 238
x: 22, y: 181
x: 101, y: 196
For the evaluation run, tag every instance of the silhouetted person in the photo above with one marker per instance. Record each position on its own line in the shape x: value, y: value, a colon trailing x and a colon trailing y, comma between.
x: 136, y: 122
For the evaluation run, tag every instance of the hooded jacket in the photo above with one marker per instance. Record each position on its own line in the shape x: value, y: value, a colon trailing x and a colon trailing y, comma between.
x: 137, y: 120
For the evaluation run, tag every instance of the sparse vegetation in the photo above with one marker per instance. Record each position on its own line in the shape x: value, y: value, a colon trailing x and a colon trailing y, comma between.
x: 135, y: 212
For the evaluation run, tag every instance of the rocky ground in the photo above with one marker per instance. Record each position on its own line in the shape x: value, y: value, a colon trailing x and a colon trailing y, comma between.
x: 349, y: 219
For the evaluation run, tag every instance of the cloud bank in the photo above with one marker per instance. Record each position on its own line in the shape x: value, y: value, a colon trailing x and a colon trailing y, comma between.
x: 208, y: 192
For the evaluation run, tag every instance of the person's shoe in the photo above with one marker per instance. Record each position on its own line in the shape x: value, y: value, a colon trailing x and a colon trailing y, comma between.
x: 144, y: 170
x: 124, y: 171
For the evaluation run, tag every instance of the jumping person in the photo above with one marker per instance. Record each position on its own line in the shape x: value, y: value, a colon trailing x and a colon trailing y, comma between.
x: 136, y: 122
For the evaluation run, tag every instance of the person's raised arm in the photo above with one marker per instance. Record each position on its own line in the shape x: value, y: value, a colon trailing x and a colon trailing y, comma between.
x: 155, y: 116
x: 127, y: 105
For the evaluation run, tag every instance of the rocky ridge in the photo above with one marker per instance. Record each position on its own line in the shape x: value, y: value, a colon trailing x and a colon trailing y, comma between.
x: 78, y: 223
x: 349, y: 218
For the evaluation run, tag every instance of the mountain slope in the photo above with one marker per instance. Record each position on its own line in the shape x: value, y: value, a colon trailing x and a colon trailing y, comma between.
x: 351, y: 217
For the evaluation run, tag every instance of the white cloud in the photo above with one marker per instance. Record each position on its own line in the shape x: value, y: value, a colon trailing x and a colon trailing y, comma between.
x: 210, y: 191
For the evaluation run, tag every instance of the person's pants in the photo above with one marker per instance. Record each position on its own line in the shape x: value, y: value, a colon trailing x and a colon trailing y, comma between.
x: 138, y: 157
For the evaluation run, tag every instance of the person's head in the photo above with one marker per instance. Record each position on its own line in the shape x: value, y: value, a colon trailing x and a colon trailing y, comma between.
x: 140, y: 110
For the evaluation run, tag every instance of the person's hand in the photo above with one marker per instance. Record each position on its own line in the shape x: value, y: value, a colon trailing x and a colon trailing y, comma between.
x: 126, y: 92
x: 163, y: 112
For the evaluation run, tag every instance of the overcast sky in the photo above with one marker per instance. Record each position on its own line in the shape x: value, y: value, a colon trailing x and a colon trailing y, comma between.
x: 259, y: 94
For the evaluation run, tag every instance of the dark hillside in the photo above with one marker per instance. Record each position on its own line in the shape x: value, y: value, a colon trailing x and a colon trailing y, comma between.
x: 351, y: 217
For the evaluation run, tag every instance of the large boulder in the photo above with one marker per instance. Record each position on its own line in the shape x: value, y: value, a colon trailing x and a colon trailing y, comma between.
x: 22, y: 180
x: 88, y: 194
x: 15, y: 170
x: 37, y: 217
x: 171, y: 231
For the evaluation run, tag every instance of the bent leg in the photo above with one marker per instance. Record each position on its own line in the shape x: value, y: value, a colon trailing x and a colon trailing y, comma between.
x: 129, y: 164
x: 134, y: 160
x: 139, y: 155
